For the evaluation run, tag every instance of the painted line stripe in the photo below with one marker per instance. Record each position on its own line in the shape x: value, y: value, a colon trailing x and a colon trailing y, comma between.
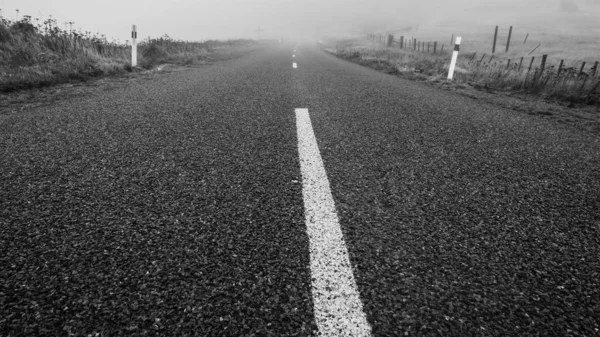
x: 337, y: 306
x: 295, y: 65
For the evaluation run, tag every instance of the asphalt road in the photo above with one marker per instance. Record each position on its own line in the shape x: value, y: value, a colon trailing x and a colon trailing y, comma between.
x: 175, y: 207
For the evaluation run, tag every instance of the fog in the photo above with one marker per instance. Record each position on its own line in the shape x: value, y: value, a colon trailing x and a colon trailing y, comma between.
x: 222, y: 19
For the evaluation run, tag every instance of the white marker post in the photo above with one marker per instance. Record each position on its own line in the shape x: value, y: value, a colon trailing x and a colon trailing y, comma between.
x: 454, y: 57
x: 133, y: 47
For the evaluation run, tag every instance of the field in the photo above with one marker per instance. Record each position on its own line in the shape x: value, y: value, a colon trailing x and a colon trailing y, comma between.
x: 44, y: 54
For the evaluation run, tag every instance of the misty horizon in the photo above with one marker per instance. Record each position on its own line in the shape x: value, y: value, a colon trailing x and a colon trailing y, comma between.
x: 188, y: 20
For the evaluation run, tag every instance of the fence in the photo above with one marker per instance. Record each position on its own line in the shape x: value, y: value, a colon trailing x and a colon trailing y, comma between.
x: 409, y: 43
x: 536, y: 70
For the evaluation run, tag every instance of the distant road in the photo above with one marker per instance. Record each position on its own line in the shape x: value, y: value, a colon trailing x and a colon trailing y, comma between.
x: 290, y: 192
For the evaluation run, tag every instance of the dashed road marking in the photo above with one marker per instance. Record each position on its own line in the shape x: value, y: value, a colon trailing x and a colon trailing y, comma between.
x: 295, y: 65
x: 337, y: 306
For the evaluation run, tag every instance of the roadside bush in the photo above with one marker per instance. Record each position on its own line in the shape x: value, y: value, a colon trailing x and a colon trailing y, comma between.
x: 23, y: 27
x: 154, y: 53
x: 5, y: 35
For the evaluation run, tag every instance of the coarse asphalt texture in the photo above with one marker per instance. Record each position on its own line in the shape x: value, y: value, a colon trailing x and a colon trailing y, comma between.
x: 174, y: 207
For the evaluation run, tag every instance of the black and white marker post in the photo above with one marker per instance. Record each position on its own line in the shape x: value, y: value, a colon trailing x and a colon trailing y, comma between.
x: 454, y: 57
x: 133, y: 47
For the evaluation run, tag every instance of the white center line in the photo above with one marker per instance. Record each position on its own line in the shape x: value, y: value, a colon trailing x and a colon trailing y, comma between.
x: 295, y: 65
x: 337, y: 306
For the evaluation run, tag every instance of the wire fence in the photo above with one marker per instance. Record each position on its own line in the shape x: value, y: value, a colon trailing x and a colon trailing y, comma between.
x: 535, y: 71
x: 539, y: 62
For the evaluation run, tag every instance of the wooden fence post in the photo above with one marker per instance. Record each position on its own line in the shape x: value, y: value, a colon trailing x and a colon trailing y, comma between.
x: 543, y: 65
x: 508, y: 41
x: 560, y: 66
x: 508, y: 64
x: 520, y: 63
x: 526, y: 36
x: 428, y: 47
x: 415, y: 45
x: 594, y: 69
x: 531, y: 63
x: 434, y: 47
x: 442, y: 50
x: 401, y: 42
x: 581, y: 70
x: 452, y: 39
x: 482, y: 58
x: 390, y: 39
x: 495, y: 38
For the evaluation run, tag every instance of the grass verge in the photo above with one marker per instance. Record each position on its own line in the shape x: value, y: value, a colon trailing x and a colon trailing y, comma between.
x: 34, y: 56
x: 571, y: 86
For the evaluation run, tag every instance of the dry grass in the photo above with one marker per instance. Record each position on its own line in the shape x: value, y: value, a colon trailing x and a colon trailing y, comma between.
x: 43, y: 54
x: 497, y: 74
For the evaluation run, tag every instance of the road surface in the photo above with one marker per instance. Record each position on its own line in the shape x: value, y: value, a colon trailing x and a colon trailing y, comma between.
x: 258, y: 198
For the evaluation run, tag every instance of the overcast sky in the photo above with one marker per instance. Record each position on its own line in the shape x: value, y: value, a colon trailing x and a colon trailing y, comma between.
x: 204, y: 19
